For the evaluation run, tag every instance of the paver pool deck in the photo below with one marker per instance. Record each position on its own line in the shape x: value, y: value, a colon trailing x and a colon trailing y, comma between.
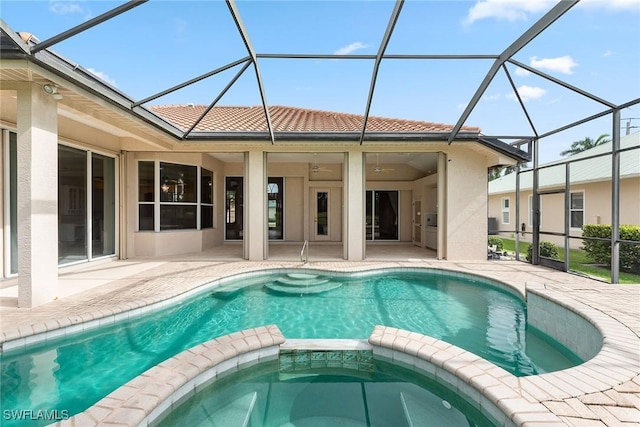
x: 96, y: 291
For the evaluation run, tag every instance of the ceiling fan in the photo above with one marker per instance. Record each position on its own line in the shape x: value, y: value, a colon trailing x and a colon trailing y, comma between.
x: 379, y: 169
x: 315, y: 168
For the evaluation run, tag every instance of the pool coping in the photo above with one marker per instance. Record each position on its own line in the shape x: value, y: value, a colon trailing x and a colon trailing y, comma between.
x: 608, y: 386
x: 39, y: 332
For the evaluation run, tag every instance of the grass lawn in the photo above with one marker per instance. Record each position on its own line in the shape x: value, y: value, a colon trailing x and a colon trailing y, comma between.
x: 579, y: 262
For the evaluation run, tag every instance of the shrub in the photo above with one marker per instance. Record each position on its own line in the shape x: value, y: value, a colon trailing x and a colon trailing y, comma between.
x: 547, y: 250
x: 600, y: 251
x: 497, y: 242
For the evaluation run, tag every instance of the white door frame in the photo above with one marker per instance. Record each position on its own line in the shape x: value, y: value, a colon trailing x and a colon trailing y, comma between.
x: 314, y: 214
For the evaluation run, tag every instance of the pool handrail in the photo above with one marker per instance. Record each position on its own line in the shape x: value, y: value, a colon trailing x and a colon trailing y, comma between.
x: 304, y: 257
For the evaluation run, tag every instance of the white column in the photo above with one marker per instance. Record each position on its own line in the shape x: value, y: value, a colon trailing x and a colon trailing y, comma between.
x: 37, y: 196
x: 354, y: 189
x: 255, y: 206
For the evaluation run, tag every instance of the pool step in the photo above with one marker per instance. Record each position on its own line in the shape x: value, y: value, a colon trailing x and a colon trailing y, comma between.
x: 237, y: 412
x: 303, y: 289
x: 302, y: 276
x: 311, y: 281
x: 232, y: 289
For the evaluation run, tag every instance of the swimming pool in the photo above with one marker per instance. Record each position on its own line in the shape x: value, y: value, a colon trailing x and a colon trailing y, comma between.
x: 464, y: 311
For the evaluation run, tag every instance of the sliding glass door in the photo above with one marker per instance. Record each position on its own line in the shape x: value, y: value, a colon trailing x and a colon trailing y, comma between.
x: 86, y: 207
x: 382, y: 215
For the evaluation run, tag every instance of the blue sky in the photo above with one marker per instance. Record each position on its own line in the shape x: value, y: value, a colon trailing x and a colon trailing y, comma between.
x: 595, y: 46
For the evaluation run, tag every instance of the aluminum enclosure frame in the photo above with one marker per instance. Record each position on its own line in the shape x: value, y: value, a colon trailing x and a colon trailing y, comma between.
x: 40, y: 54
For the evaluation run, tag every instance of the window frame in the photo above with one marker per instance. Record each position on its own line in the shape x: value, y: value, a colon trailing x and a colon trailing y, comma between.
x: 158, y: 204
x: 572, y: 209
x: 506, y: 210
x: 202, y: 204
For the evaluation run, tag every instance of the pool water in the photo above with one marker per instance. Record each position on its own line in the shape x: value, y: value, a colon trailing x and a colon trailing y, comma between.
x: 73, y: 373
x: 390, y: 396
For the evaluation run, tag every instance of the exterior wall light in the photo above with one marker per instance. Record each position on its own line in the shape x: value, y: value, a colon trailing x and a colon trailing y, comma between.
x: 52, y: 90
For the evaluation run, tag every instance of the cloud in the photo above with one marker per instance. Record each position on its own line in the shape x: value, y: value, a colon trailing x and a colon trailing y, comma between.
x: 522, y: 72
x: 562, y: 64
x: 521, y: 10
x: 61, y: 7
x: 509, y: 10
x: 528, y: 92
x: 103, y: 76
x: 608, y: 53
x: 350, y: 48
x: 494, y: 97
x: 612, y: 4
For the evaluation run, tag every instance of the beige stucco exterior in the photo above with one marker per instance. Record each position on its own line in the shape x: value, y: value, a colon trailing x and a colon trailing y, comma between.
x: 456, y: 189
x: 596, y: 194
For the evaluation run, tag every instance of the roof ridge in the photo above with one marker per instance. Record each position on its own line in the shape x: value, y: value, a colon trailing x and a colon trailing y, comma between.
x: 314, y: 110
x: 286, y: 118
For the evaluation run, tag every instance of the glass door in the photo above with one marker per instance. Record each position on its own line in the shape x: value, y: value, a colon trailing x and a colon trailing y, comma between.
x: 72, y: 205
x: 234, y: 208
x: 103, y: 206
x: 381, y: 215
x: 321, y: 215
x: 10, y: 202
x: 417, y: 223
x: 275, y: 211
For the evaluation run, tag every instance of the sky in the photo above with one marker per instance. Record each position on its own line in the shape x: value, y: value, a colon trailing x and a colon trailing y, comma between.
x: 594, y: 47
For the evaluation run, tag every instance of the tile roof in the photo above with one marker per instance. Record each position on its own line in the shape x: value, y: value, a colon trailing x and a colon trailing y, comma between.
x: 288, y: 119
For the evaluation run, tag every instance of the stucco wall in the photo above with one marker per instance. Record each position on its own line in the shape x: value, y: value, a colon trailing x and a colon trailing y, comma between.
x: 294, y: 209
x: 597, y: 203
x: 466, y: 205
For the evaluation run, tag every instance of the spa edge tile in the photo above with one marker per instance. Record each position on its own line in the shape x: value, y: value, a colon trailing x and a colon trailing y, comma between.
x: 400, y: 342
x: 96, y: 412
x: 413, y: 347
x: 440, y: 357
x: 519, y: 407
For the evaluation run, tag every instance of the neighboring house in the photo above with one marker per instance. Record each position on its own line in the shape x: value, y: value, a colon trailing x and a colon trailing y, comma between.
x: 89, y: 175
x: 590, y: 194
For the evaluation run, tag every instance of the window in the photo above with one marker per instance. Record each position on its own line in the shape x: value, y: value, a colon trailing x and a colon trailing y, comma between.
x: 577, y: 210
x: 506, y: 212
x: 146, y: 196
x: 178, y: 197
x: 206, y: 198
x: 172, y: 196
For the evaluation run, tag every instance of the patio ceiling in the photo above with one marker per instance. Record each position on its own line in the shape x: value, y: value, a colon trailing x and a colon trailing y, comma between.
x: 249, y: 57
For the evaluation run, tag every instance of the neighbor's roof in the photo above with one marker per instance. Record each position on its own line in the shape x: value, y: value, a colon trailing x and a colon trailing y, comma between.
x: 288, y: 119
x: 585, y: 171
